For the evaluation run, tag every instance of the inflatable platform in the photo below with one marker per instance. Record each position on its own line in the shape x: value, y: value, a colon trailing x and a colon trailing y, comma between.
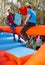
x: 20, y: 54
x: 38, y: 58
x: 23, y: 56
x: 7, y: 42
x: 16, y: 53
x: 35, y: 30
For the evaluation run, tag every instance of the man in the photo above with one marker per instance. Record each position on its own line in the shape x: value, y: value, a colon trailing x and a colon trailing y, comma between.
x: 10, y: 21
x: 29, y: 22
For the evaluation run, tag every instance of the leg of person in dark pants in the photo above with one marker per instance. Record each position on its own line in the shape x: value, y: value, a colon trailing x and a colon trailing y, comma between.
x: 15, y: 33
x: 25, y: 28
x: 23, y: 32
x: 13, y: 30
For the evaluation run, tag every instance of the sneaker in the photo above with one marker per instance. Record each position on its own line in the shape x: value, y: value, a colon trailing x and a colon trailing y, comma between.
x: 20, y: 41
x: 26, y: 42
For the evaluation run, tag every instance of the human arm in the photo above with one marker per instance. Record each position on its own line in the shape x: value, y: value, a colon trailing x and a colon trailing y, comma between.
x: 27, y: 18
x: 7, y: 21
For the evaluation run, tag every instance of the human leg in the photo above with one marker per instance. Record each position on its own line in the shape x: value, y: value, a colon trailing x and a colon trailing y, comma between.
x: 13, y: 30
x: 23, y: 32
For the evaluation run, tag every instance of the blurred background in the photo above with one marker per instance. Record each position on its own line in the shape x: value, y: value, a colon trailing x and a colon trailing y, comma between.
x: 37, y: 5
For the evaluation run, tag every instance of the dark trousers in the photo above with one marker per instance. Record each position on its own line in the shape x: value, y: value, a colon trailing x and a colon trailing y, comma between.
x: 37, y: 47
x: 13, y: 29
x: 25, y: 28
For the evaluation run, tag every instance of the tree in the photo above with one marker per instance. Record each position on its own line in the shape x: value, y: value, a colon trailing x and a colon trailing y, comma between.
x: 38, y: 6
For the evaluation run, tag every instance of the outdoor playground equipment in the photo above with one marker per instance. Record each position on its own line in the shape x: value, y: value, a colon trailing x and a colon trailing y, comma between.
x: 16, y: 53
x: 22, y: 55
x: 38, y: 58
x: 11, y: 57
x: 7, y: 42
x: 35, y: 30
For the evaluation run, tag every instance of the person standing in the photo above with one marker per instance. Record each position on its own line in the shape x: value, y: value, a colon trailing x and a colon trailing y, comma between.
x: 38, y: 42
x: 29, y: 22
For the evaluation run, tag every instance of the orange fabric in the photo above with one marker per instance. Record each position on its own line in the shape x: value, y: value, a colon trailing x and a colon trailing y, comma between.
x: 11, y: 62
x: 2, y: 54
x: 38, y: 58
x: 25, y: 58
x: 35, y: 30
x: 6, y: 29
x: 3, y: 59
x: 20, y: 61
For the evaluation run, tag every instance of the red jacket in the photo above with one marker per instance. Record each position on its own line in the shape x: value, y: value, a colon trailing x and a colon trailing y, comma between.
x: 10, y: 18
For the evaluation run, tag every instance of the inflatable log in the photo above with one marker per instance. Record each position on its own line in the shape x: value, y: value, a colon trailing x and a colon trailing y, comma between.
x: 35, y: 30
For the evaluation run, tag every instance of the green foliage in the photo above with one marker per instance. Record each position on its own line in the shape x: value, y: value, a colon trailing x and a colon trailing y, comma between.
x: 38, y: 6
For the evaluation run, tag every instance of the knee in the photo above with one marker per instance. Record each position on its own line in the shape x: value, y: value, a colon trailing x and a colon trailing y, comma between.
x: 22, y: 31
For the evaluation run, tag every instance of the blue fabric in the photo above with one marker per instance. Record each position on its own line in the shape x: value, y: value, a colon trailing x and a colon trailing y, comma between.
x: 11, y: 45
x: 33, y: 16
x: 21, y: 51
x: 17, y: 19
x: 4, y: 34
x: 6, y: 41
x: 8, y: 38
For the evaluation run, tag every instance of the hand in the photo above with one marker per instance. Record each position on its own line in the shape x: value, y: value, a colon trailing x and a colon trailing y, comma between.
x: 25, y: 23
x: 9, y: 23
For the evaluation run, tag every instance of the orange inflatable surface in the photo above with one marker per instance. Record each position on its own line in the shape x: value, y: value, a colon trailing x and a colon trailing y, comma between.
x: 38, y: 58
x: 4, y: 59
x: 2, y: 53
x: 19, y: 61
x: 11, y: 62
x: 35, y: 30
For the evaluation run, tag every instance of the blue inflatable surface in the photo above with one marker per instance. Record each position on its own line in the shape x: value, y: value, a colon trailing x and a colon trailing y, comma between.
x: 5, y: 34
x: 11, y: 45
x: 7, y: 42
x: 21, y: 51
x: 8, y: 38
